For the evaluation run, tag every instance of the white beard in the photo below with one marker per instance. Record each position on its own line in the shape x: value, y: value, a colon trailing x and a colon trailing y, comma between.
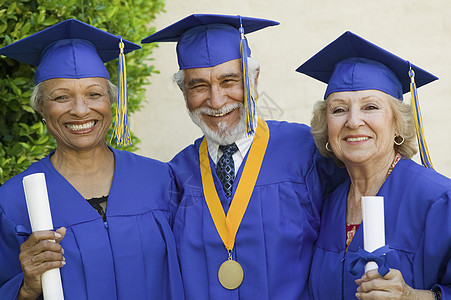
x: 225, y: 134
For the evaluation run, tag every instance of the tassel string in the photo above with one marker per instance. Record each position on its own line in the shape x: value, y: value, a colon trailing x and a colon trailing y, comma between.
x: 121, y: 128
x: 424, y: 152
x: 249, y: 101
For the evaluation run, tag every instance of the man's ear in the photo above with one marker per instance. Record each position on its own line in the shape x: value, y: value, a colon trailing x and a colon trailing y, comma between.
x: 256, y: 83
x: 256, y: 77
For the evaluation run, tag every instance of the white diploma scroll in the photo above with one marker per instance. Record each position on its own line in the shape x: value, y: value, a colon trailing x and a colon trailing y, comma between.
x: 38, y: 206
x: 373, y: 226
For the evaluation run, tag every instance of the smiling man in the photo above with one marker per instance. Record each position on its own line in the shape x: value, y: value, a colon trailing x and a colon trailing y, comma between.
x: 249, y: 193
x: 214, y: 98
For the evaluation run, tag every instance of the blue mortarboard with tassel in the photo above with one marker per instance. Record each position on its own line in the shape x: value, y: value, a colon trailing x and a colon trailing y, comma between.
x: 73, y: 49
x: 207, y: 40
x: 351, y: 63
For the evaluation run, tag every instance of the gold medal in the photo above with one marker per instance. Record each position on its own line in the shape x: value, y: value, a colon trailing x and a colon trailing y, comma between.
x: 230, y: 274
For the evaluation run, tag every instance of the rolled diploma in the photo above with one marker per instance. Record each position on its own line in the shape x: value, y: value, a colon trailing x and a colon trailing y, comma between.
x: 38, y: 206
x: 373, y: 226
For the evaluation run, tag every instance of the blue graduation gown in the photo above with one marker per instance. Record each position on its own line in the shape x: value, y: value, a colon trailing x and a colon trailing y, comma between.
x: 417, y: 228
x: 131, y: 256
x: 275, y: 240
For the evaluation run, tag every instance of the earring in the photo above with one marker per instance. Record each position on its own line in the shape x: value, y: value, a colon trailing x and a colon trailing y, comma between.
x: 44, y: 121
x: 328, y: 147
x: 397, y: 137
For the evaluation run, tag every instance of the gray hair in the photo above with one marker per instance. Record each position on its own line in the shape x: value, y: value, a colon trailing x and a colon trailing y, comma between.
x: 404, y: 120
x: 37, y: 96
x: 253, y: 69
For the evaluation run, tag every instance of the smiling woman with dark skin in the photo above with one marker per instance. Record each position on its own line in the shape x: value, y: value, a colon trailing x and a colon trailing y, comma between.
x: 78, y: 116
x: 111, y: 207
x: 364, y: 125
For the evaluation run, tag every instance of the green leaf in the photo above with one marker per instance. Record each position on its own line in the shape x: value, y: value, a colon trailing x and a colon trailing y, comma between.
x: 3, y: 27
x: 25, y: 146
x: 28, y: 108
x: 37, y: 126
x: 42, y: 140
x: 49, y: 21
x: 21, y: 80
x: 16, y: 90
x: 41, y: 16
x: 6, y: 161
x: 25, y: 28
x: 21, y: 159
x: 11, y: 8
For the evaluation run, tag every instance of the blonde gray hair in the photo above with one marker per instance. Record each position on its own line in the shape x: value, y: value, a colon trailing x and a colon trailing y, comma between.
x: 404, y: 120
x: 37, y: 96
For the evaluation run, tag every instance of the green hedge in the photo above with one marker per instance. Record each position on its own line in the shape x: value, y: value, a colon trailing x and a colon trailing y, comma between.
x: 23, y: 138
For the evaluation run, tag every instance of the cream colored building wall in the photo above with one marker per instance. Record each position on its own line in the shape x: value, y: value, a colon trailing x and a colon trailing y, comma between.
x: 419, y: 31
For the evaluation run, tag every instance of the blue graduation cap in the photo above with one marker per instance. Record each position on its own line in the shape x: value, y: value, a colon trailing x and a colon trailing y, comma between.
x: 207, y: 40
x: 73, y: 49
x: 351, y: 63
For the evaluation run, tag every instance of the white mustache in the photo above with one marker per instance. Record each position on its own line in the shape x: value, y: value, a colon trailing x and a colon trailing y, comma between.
x: 217, y: 112
x: 224, y: 134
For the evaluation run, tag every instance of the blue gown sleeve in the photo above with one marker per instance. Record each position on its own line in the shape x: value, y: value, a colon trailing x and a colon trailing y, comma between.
x: 11, y: 275
x: 322, y: 178
x: 330, y: 175
x: 437, y: 246
x: 173, y: 195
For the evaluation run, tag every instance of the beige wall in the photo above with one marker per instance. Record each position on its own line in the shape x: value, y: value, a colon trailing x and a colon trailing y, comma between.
x: 419, y: 31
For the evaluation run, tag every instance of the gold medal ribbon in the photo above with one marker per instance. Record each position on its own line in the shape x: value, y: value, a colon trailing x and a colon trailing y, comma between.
x: 227, y: 227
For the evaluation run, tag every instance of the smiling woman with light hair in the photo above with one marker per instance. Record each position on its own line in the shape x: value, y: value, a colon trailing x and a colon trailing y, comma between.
x: 402, y: 114
x: 364, y: 125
